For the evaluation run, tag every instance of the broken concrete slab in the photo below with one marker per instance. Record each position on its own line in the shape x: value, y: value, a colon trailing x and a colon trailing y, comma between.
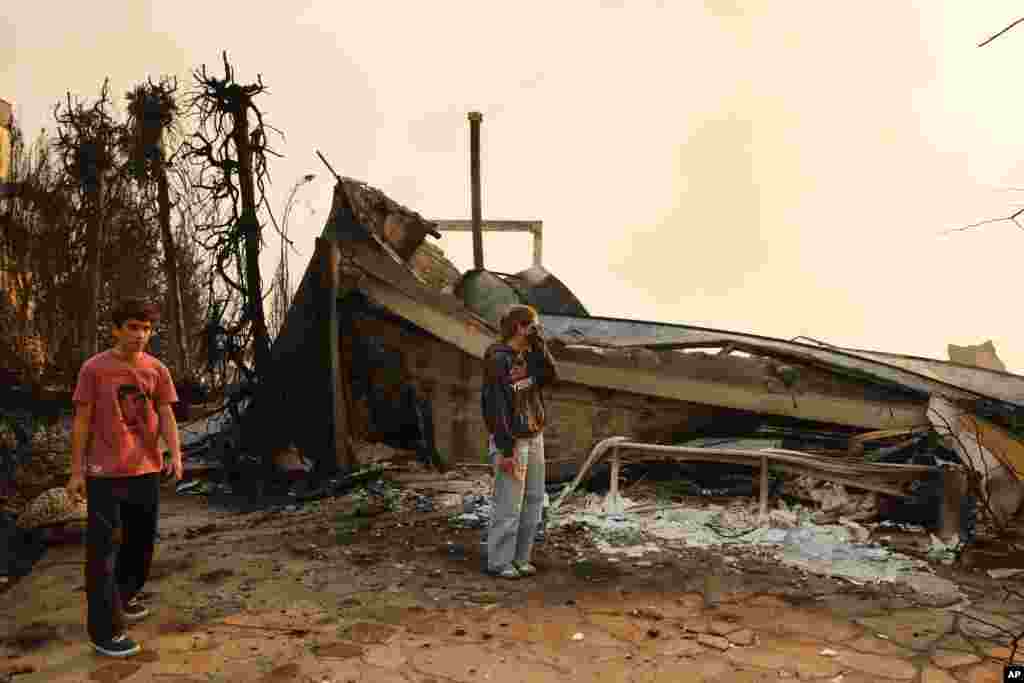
x: 826, y: 550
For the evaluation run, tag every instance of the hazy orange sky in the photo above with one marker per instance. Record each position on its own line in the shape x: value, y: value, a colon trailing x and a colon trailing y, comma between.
x: 778, y: 167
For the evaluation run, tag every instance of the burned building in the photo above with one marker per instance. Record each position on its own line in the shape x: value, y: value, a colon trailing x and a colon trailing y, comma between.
x: 378, y: 346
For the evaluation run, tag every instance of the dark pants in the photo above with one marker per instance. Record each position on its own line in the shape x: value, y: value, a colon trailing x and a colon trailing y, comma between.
x: 121, y: 537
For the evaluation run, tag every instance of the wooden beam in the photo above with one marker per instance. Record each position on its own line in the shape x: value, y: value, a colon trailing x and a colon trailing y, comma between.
x: 854, y: 412
x: 338, y: 442
x: 458, y: 225
x: 468, y: 339
x: 889, y: 433
x: 346, y: 406
x: 536, y: 228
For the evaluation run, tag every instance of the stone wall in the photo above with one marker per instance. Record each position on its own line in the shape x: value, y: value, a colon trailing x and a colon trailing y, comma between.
x: 579, y: 416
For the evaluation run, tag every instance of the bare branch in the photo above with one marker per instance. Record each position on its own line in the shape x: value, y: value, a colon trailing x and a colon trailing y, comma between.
x: 1011, y: 218
x: 1005, y: 30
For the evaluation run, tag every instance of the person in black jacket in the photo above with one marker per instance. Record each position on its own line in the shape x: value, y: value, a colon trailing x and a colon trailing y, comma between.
x: 515, y: 370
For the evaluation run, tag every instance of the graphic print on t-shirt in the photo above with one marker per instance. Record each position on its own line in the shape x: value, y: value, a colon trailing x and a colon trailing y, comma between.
x: 521, y: 383
x: 134, y: 405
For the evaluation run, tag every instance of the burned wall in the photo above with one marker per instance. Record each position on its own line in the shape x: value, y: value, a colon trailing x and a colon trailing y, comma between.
x: 450, y: 379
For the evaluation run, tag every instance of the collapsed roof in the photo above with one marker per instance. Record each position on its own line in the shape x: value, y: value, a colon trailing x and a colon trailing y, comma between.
x: 813, y: 381
x: 375, y: 249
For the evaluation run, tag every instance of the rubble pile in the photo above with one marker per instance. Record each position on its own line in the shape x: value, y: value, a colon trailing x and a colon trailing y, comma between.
x: 381, y: 493
x: 476, y: 512
x: 52, y: 507
x: 790, y: 535
x: 47, y: 466
x: 834, y: 500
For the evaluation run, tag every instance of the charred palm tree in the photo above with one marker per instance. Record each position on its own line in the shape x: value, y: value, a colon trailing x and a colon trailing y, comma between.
x: 229, y: 148
x: 152, y: 111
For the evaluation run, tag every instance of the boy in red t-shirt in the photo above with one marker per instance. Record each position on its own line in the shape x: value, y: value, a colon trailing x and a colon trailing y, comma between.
x: 122, y: 406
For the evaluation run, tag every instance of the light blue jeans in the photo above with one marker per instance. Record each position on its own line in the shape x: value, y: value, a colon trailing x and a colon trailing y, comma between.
x: 516, y: 505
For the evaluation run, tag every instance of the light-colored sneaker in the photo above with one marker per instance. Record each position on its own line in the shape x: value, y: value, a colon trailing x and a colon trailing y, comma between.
x: 118, y: 646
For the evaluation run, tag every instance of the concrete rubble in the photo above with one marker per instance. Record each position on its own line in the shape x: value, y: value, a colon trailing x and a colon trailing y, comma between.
x: 792, y: 537
x: 835, y: 501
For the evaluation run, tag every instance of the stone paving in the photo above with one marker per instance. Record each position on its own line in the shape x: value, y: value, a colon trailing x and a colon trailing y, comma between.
x: 598, y: 636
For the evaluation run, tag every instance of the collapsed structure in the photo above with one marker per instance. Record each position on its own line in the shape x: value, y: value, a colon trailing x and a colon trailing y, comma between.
x: 383, y: 340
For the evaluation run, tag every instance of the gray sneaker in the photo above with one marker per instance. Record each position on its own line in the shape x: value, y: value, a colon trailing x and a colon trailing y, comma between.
x: 118, y: 646
x: 133, y: 610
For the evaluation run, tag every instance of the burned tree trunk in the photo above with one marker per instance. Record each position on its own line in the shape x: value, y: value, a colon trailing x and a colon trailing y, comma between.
x: 177, y: 318
x: 153, y: 110
x: 250, y: 228
x: 231, y: 142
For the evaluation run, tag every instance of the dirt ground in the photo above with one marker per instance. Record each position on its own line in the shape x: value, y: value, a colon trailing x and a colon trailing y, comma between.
x: 318, y: 595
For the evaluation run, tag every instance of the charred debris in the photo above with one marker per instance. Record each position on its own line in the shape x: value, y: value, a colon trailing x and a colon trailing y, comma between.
x: 378, y: 362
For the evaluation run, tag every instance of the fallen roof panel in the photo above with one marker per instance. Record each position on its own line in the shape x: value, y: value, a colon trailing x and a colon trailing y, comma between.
x: 390, y: 285
x: 918, y: 374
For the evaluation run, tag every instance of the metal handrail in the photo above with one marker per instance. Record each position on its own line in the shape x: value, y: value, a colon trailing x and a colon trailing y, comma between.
x: 786, y: 460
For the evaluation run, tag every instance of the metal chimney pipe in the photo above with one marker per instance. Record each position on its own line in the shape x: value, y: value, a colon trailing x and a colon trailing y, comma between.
x: 475, y: 118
